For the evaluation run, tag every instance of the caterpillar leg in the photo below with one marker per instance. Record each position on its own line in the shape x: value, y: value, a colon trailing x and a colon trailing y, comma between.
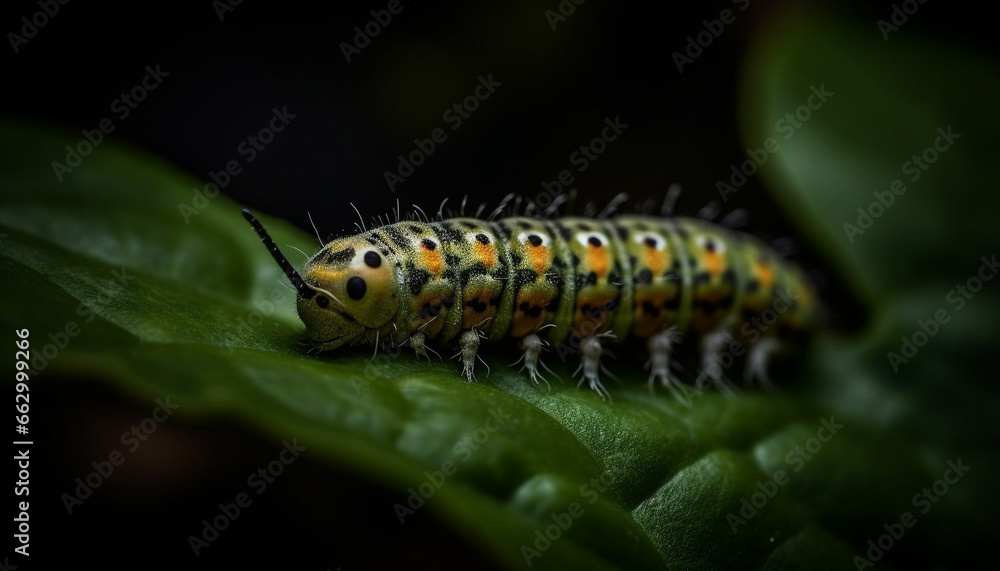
x: 469, y: 348
x: 757, y: 359
x: 711, y: 360
x: 418, y: 341
x: 660, y: 348
x: 533, y: 347
x: 590, y: 349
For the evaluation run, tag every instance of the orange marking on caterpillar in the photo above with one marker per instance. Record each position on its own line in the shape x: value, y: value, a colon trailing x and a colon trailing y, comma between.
x: 591, y: 316
x: 431, y: 259
x: 471, y: 317
x: 428, y: 309
x: 656, y: 260
x: 539, y: 257
x: 765, y: 275
x: 649, y: 314
x: 804, y: 296
x: 486, y: 254
x: 598, y: 260
x: 529, y: 312
x: 714, y: 263
x: 522, y: 325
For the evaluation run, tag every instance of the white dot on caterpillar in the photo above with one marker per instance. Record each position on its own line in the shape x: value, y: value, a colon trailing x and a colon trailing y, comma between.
x: 710, y: 244
x: 658, y: 243
x: 534, y: 239
x: 591, y: 238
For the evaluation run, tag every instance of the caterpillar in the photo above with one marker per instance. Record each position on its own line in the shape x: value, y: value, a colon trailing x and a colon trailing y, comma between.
x: 574, y: 282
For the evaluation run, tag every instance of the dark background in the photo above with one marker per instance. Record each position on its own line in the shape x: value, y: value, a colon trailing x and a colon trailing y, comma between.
x: 352, y: 120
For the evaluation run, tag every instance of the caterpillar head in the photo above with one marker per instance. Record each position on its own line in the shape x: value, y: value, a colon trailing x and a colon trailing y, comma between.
x: 346, y: 289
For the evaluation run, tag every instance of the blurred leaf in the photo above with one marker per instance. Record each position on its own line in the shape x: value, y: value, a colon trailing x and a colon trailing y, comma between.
x: 892, y: 106
x: 886, y: 102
